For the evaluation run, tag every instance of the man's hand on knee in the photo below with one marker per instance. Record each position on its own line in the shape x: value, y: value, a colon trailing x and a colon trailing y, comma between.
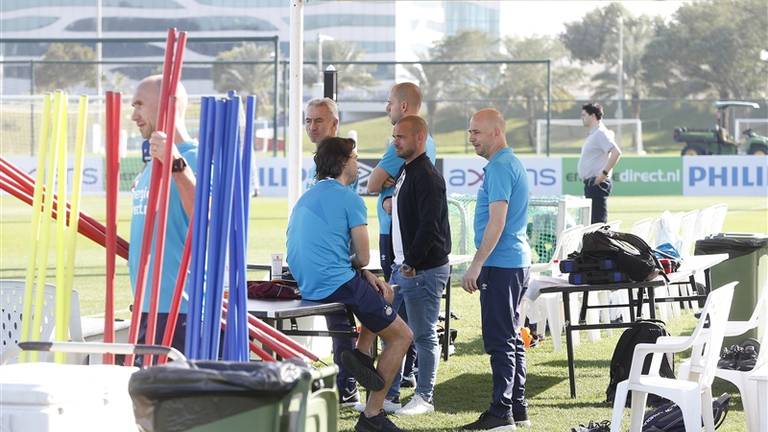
x: 379, y: 285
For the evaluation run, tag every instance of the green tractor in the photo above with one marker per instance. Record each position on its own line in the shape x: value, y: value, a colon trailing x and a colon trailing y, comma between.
x: 719, y: 139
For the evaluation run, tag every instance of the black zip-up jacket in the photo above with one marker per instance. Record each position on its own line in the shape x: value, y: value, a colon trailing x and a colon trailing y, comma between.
x: 422, y: 209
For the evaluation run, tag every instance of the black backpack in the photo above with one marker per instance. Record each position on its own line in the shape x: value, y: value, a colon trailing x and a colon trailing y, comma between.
x: 632, y: 254
x: 643, y: 331
x: 669, y: 418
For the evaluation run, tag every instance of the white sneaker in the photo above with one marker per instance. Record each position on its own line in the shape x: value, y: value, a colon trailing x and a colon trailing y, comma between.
x: 417, y: 405
x: 389, y: 406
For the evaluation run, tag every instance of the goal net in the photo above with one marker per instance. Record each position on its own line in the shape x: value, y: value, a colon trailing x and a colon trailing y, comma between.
x: 567, y: 135
x: 548, y: 216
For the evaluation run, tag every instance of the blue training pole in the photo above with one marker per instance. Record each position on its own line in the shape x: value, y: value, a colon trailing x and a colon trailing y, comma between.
x: 200, y: 234
x: 225, y: 213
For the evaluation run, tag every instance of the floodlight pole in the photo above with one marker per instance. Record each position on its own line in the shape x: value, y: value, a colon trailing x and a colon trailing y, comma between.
x: 620, y: 96
x: 295, y: 103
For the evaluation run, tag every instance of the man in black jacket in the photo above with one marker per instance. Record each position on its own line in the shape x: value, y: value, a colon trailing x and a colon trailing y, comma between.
x: 421, y: 242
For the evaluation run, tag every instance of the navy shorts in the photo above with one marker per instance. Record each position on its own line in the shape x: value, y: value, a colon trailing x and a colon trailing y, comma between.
x: 367, y: 304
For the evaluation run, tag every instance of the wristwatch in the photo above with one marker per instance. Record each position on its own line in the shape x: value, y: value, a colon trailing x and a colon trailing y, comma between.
x: 179, y: 165
x: 405, y: 268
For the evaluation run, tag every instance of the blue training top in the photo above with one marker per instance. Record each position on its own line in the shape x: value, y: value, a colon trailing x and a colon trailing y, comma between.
x: 175, y: 234
x: 319, y: 237
x: 391, y: 163
x: 505, y: 179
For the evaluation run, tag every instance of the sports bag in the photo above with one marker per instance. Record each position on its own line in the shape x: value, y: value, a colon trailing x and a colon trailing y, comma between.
x: 643, y: 331
x: 632, y: 254
x: 669, y: 418
x: 284, y: 290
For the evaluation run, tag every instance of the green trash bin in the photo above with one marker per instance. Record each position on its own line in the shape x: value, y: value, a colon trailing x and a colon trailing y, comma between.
x: 207, y: 396
x: 747, y: 264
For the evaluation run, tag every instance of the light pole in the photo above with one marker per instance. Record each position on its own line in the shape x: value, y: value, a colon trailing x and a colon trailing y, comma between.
x: 320, y: 39
x: 620, y: 95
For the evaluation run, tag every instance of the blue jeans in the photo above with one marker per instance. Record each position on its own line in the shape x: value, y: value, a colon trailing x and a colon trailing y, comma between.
x: 599, y: 195
x: 501, y: 290
x: 421, y: 296
x: 344, y: 381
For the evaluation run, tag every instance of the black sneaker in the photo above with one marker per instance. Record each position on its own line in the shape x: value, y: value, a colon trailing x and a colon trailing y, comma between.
x: 361, y: 367
x: 729, y: 358
x: 408, y: 381
x: 489, y: 422
x: 593, y: 426
x: 747, y: 358
x: 349, y: 400
x: 520, y: 414
x: 377, y: 423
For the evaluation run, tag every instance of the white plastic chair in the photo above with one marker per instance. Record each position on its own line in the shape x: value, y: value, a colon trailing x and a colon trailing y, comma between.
x: 704, y: 222
x: 547, y: 308
x: 743, y: 379
x: 719, y: 213
x: 688, y: 233
x: 11, y: 310
x: 694, y: 395
x: 642, y: 229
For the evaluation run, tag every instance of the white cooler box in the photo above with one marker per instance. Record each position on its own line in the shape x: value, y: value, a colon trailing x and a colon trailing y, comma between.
x: 50, y: 397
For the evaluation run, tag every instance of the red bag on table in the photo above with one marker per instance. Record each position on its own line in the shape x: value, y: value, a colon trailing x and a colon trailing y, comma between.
x: 279, y: 289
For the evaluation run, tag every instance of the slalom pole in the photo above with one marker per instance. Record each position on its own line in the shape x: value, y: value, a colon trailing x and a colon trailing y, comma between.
x: 165, y: 187
x: 200, y: 232
x: 42, y: 259
x: 178, y: 293
x: 226, y: 210
x: 62, y: 327
x: 210, y: 316
x: 73, y: 217
x: 37, y: 210
x: 18, y: 184
x: 279, y: 336
x: 154, y: 186
x: 113, y: 167
x: 200, y: 220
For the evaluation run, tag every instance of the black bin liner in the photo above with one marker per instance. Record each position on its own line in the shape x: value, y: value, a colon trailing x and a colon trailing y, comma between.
x: 181, y: 395
x: 734, y: 244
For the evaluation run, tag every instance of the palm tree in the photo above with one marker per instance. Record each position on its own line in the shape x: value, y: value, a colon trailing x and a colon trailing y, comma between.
x: 255, y: 79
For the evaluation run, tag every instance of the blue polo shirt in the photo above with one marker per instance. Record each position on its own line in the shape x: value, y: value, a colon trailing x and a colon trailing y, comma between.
x: 391, y: 163
x: 319, y: 237
x: 505, y: 180
x: 175, y: 234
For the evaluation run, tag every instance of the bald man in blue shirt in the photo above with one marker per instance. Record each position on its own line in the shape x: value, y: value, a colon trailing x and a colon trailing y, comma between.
x: 499, y: 269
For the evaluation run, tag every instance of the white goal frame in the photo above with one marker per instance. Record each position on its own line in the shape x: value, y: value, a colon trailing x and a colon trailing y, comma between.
x: 541, y: 124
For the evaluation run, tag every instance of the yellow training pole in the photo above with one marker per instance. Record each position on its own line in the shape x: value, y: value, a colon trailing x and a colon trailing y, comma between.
x: 37, y: 210
x: 62, y: 327
x: 42, y: 259
x: 77, y: 185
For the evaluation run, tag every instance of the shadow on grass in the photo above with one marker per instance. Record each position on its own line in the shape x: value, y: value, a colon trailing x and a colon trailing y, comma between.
x: 472, y: 391
x: 579, y: 363
x: 469, y: 346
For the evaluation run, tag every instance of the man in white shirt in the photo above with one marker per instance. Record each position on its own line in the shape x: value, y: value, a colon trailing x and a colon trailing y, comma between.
x: 598, y: 157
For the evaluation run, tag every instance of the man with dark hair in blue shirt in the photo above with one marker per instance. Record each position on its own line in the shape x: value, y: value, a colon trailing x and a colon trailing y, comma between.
x: 326, y: 220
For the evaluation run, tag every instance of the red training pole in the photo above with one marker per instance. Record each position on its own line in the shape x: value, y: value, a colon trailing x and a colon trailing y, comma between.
x: 26, y: 183
x: 113, y: 173
x: 91, y: 230
x: 181, y: 280
x: 165, y: 187
x: 149, y: 215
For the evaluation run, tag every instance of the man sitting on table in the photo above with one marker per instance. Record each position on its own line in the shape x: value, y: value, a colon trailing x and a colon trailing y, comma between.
x: 322, y: 224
